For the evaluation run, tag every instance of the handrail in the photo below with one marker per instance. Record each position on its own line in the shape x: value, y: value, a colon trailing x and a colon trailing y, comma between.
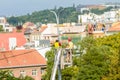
x: 55, y: 66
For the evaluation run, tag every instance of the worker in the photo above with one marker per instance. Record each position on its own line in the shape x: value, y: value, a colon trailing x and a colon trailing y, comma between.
x: 69, y: 49
x: 70, y: 43
x: 57, y: 44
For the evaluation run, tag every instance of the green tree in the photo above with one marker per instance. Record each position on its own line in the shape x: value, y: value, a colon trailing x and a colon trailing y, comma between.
x: 68, y: 14
x: 114, y: 67
x: 70, y: 73
x: 98, y: 11
x: 8, y: 75
x: 101, y: 54
x: 1, y: 28
x: 50, y: 61
x: 94, y: 60
x: 19, y: 28
x: 13, y: 20
x: 25, y: 78
x: 99, y: 60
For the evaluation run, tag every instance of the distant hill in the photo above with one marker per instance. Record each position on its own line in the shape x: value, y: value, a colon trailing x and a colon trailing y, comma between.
x: 68, y: 14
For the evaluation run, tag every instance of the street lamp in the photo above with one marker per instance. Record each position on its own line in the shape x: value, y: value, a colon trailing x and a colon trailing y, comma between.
x: 57, y: 20
x: 57, y: 17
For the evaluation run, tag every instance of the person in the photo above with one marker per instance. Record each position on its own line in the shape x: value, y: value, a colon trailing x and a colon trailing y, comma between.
x: 57, y: 44
x: 70, y: 43
x: 69, y: 49
x: 90, y: 28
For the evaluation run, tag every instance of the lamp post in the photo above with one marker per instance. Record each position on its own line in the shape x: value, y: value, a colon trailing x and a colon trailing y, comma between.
x: 59, y: 65
x: 57, y: 20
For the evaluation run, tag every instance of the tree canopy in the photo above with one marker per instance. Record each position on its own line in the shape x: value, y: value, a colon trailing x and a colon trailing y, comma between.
x: 99, y: 59
x: 8, y: 75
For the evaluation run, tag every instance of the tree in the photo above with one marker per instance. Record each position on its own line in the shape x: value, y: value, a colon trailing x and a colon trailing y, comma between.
x: 50, y: 61
x: 13, y: 20
x: 25, y: 78
x: 19, y: 28
x: 45, y: 16
x: 8, y: 75
x: 99, y: 60
x: 70, y: 73
x: 1, y: 28
x: 100, y: 11
x: 94, y: 60
x: 114, y: 67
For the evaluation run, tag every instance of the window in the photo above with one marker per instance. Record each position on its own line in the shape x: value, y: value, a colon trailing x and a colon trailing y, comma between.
x: 43, y: 70
x: 7, y: 30
x: 34, y: 72
x: 32, y: 38
x: 48, y: 37
x: 23, y: 73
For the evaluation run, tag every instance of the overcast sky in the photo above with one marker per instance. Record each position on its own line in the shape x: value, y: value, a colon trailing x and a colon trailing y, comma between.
x: 21, y: 7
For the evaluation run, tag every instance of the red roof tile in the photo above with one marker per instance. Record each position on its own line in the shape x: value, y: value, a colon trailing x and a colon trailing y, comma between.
x: 20, y: 58
x: 115, y: 27
x: 28, y: 25
x: 43, y: 28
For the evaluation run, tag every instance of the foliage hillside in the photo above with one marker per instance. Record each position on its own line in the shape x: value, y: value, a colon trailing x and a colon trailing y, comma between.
x: 68, y: 14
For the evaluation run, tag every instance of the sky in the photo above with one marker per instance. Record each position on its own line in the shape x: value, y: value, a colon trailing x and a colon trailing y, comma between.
x: 22, y: 7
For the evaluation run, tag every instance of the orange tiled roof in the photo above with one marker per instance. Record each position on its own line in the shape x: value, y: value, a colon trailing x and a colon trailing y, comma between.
x: 28, y: 25
x: 115, y: 27
x: 96, y: 7
x: 43, y: 28
x: 20, y: 58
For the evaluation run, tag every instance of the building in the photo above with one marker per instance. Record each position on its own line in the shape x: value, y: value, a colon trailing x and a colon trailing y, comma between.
x: 98, y: 34
x: 86, y: 18
x: 23, y: 63
x: 110, y: 16
x: 50, y: 33
x: 114, y: 29
x: 3, y: 22
x: 35, y: 36
x: 8, y: 41
x: 29, y: 25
